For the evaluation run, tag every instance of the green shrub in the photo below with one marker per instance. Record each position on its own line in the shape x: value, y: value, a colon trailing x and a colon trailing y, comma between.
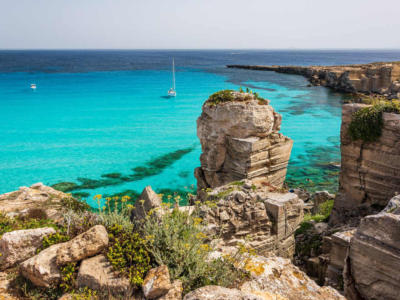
x: 8, y: 224
x: 176, y: 239
x: 127, y: 254
x: 220, y: 97
x: 366, y: 124
x: 68, y: 277
x: 53, y: 239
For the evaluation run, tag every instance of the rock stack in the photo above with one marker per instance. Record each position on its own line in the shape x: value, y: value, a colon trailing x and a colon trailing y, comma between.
x: 240, y: 139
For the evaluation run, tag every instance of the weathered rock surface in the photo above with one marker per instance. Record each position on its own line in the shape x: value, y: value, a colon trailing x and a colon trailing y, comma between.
x: 156, y: 283
x: 340, y: 243
x: 213, y: 292
x: 373, y: 263
x: 42, y: 268
x: 264, y: 220
x: 19, y: 245
x: 150, y: 200
x: 320, y: 197
x: 370, y: 172
x: 97, y: 274
x: 175, y: 293
x: 240, y: 139
x: 278, y: 276
x: 37, y: 199
x: 84, y: 245
x: 381, y: 78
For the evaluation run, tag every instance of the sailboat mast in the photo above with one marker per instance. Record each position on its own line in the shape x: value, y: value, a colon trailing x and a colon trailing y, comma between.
x: 173, y: 74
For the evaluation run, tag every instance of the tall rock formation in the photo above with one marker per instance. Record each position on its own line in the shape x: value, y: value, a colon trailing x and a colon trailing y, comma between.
x: 240, y: 139
x: 380, y: 78
x: 370, y: 172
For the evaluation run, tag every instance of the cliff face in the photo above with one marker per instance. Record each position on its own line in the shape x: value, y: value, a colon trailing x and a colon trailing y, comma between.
x: 240, y: 139
x: 252, y: 215
x: 380, y: 78
x: 370, y: 172
x: 373, y: 262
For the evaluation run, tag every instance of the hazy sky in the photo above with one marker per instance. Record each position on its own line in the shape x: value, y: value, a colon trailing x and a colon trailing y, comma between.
x: 199, y: 24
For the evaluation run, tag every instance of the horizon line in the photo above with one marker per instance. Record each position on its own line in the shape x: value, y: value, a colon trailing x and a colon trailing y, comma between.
x: 197, y: 49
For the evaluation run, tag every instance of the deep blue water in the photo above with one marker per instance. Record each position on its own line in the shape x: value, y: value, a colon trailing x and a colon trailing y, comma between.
x: 101, y: 112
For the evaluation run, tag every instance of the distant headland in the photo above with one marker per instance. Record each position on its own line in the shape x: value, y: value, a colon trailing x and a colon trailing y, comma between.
x: 381, y: 78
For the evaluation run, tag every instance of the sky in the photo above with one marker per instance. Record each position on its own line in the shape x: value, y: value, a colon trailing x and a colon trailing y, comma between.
x: 199, y: 24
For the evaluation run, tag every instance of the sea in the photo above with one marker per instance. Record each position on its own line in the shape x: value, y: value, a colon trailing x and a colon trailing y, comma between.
x: 99, y: 121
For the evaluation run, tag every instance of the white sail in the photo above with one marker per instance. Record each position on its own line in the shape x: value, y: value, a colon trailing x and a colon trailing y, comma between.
x: 172, y: 91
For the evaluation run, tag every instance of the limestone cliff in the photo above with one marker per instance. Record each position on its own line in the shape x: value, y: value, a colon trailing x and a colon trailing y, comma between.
x: 370, y: 172
x: 240, y: 139
x: 381, y: 78
x: 262, y: 217
x: 373, y: 261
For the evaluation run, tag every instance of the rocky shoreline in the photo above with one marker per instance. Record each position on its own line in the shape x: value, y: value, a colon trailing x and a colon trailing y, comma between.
x: 381, y: 78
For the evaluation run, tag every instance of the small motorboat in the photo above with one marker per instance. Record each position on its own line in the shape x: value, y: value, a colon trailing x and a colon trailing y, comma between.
x: 33, y: 86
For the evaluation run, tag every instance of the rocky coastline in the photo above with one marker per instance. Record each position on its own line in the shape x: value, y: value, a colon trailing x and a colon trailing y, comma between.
x: 381, y: 78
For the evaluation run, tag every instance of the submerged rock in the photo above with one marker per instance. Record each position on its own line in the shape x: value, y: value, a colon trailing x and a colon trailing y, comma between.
x: 19, y: 245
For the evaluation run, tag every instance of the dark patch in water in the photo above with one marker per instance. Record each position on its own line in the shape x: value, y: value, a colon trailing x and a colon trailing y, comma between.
x: 153, y: 167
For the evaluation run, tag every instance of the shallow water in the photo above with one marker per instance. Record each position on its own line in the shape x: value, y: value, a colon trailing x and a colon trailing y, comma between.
x: 85, y: 121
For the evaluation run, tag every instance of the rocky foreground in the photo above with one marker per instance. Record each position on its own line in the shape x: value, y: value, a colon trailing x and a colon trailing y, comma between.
x: 380, y: 78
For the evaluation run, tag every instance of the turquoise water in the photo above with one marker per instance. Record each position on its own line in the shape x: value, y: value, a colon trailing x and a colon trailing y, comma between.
x: 98, y: 113
x: 89, y: 124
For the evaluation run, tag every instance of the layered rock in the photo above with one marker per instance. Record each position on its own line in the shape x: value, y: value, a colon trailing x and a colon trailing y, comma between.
x: 240, y: 139
x: 370, y: 172
x: 264, y: 219
x: 373, y: 262
x: 36, y: 201
x: 19, y: 245
x: 381, y: 78
x: 97, y: 274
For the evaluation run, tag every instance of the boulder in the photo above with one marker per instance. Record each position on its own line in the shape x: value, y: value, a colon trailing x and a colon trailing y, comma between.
x: 42, y: 269
x: 278, y: 276
x: 148, y: 200
x: 39, y: 200
x: 97, y: 274
x: 84, y: 245
x: 220, y: 293
x: 19, y: 245
x: 175, y: 293
x: 320, y: 197
x: 156, y: 283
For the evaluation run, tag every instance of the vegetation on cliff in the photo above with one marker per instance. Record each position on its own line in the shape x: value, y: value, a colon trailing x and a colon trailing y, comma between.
x: 367, y: 123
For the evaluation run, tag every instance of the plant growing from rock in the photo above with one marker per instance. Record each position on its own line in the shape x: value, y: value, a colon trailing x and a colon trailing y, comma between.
x: 127, y: 254
x: 176, y: 239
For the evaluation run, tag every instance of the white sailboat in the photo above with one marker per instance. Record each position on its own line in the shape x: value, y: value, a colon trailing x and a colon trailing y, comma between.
x: 172, y: 91
x: 33, y: 86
